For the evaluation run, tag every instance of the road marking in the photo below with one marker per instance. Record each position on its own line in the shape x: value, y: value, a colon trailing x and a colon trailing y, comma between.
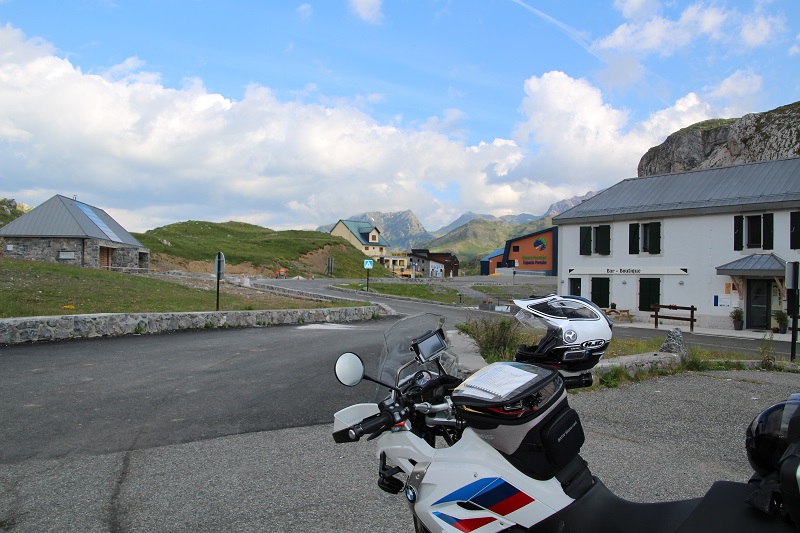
x: 327, y: 326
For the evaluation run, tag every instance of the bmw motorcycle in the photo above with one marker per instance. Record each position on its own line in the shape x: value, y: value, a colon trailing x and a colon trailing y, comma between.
x: 499, y: 450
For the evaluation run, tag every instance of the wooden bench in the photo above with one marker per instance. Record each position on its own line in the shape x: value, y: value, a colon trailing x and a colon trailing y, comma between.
x: 691, y: 319
x: 617, y: 314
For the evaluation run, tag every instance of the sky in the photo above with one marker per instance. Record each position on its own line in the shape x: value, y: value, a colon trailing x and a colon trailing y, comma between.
x: 291, y: 115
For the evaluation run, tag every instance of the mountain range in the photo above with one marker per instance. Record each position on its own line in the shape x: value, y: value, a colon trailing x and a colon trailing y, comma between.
x: 469, y: 236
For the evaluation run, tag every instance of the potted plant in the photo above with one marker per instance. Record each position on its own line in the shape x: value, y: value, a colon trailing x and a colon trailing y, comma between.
x: 737, y: 315
x: 782, y: 319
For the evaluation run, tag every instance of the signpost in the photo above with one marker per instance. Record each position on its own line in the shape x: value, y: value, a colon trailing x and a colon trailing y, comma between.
x: 219, y: 271
x: 368, y: 267
x: 793, y: 299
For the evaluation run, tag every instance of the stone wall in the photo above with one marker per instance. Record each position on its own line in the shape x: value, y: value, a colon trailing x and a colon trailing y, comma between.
x: 53, y: 328
x: 77, y: 252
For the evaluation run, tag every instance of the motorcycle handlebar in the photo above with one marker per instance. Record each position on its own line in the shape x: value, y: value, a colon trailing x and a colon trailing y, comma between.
x: 367, y: 426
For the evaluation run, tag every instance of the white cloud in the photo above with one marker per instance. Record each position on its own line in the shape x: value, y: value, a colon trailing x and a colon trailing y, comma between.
x: 648, y: 32
x: 368, y: 10
x: 305, y: 11
x: 664, y: 36
x: 757, y: 30
x: 581, y: 140
x: 637, y: 9
x: 151, y: 155
x: 795, y: 48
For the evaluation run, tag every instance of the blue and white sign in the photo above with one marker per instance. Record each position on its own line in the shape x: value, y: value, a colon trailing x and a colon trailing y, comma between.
x: 368, y: 264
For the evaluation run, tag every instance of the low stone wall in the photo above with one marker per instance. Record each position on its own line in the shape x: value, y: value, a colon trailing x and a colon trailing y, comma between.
x: 53, y: 328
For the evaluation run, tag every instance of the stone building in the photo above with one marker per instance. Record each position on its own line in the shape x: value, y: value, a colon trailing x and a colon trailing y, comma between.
x: 64, y: 230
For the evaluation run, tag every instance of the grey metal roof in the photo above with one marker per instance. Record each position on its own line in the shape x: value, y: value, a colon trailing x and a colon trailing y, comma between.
x: 754, y: 265
x: 362, y: 230
x: 64, y: 217
x: 747, y: 187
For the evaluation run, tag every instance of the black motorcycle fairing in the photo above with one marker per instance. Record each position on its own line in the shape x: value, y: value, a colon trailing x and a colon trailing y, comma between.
x: 722, y: 509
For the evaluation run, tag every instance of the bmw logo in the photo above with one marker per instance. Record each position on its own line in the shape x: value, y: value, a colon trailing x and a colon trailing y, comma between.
x: 411, y: 494
x: 570, y: 335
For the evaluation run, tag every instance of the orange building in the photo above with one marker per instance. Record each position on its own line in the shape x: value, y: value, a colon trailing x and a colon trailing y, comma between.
x: 533, y: 252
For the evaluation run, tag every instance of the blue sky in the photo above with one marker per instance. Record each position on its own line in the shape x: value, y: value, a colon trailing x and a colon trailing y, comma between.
x: 297, y: 114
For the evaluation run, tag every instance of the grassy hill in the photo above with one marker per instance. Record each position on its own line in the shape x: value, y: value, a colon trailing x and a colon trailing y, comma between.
x: 37, y: 288
x: 478, y: 237
x: 254, y: 249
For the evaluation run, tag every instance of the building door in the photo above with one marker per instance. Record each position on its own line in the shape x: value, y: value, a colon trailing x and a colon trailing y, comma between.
x: 575, y: 286
x: 105, y: 258
x: 649, y: 293
x: 758, y: 308
x: 600, y: 291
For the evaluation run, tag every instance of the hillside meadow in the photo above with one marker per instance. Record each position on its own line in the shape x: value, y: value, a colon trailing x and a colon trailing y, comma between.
x: 34, y: 288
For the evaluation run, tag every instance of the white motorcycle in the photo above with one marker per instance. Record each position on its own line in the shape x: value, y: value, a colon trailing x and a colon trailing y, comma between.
x: 508, y: 443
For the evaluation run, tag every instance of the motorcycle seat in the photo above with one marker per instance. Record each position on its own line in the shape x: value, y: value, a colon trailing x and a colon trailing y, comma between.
x: 723, y: 508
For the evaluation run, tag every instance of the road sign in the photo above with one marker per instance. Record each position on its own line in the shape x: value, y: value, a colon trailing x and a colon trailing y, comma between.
x: 368, y: 263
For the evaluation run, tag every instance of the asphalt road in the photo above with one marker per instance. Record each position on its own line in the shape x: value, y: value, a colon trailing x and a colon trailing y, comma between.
x: 229, y: 430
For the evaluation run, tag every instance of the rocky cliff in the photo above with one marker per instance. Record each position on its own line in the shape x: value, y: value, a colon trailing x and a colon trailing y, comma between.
x: 722, y: 142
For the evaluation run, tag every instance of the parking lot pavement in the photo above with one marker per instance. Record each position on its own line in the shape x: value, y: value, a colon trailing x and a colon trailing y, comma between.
x: 660, y: 439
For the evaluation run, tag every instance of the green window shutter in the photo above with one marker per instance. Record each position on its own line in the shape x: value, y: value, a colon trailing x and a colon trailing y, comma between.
x: 586, y: 240
x: 604, y: 240
x: 654, y: 237
x: 738, y: 232
x: 767, y: 228
x: 633, y: 238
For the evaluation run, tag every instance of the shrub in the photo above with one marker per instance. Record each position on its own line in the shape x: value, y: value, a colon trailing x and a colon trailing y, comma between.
x: 497, y: 338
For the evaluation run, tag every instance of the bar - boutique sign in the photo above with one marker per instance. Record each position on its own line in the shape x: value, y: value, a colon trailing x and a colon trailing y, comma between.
x: 643, y: 271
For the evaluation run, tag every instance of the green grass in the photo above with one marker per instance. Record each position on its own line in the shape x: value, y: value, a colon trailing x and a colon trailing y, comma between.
x: 262, y: 247
x: 424, y: 291
x: 506, y: 293
x: 34, y: 288
x: 497, y: 339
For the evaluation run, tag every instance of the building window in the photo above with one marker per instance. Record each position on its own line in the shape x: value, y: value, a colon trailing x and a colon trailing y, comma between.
x: 373, y: 237
x: 644, y: 237
x: 753, y: 231
x: 753, y: 235
x: 794, y: 230
x: 515, y: 248
x: 599, y: 235
x: 602, y: 240
x: 651, y: 238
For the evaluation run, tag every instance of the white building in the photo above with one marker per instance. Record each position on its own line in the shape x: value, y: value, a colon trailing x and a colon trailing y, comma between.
x: 715, y: 239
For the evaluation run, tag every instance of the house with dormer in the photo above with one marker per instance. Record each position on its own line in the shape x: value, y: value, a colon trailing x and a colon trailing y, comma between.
x: 64, y: 230
x: 715, y: 238
x: 363, y: 236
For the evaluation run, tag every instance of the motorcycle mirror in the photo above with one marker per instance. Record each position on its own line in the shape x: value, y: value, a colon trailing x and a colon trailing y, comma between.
x: 349, y: 369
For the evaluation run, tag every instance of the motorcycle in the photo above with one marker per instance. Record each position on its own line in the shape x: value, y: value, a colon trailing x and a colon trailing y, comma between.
x: 499, y: 450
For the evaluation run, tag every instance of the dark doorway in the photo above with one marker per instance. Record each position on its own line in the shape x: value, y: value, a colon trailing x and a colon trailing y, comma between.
x: 757, y: 312
x: 575, y: 286
x: 600, y: 291
x: 649, y: 293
